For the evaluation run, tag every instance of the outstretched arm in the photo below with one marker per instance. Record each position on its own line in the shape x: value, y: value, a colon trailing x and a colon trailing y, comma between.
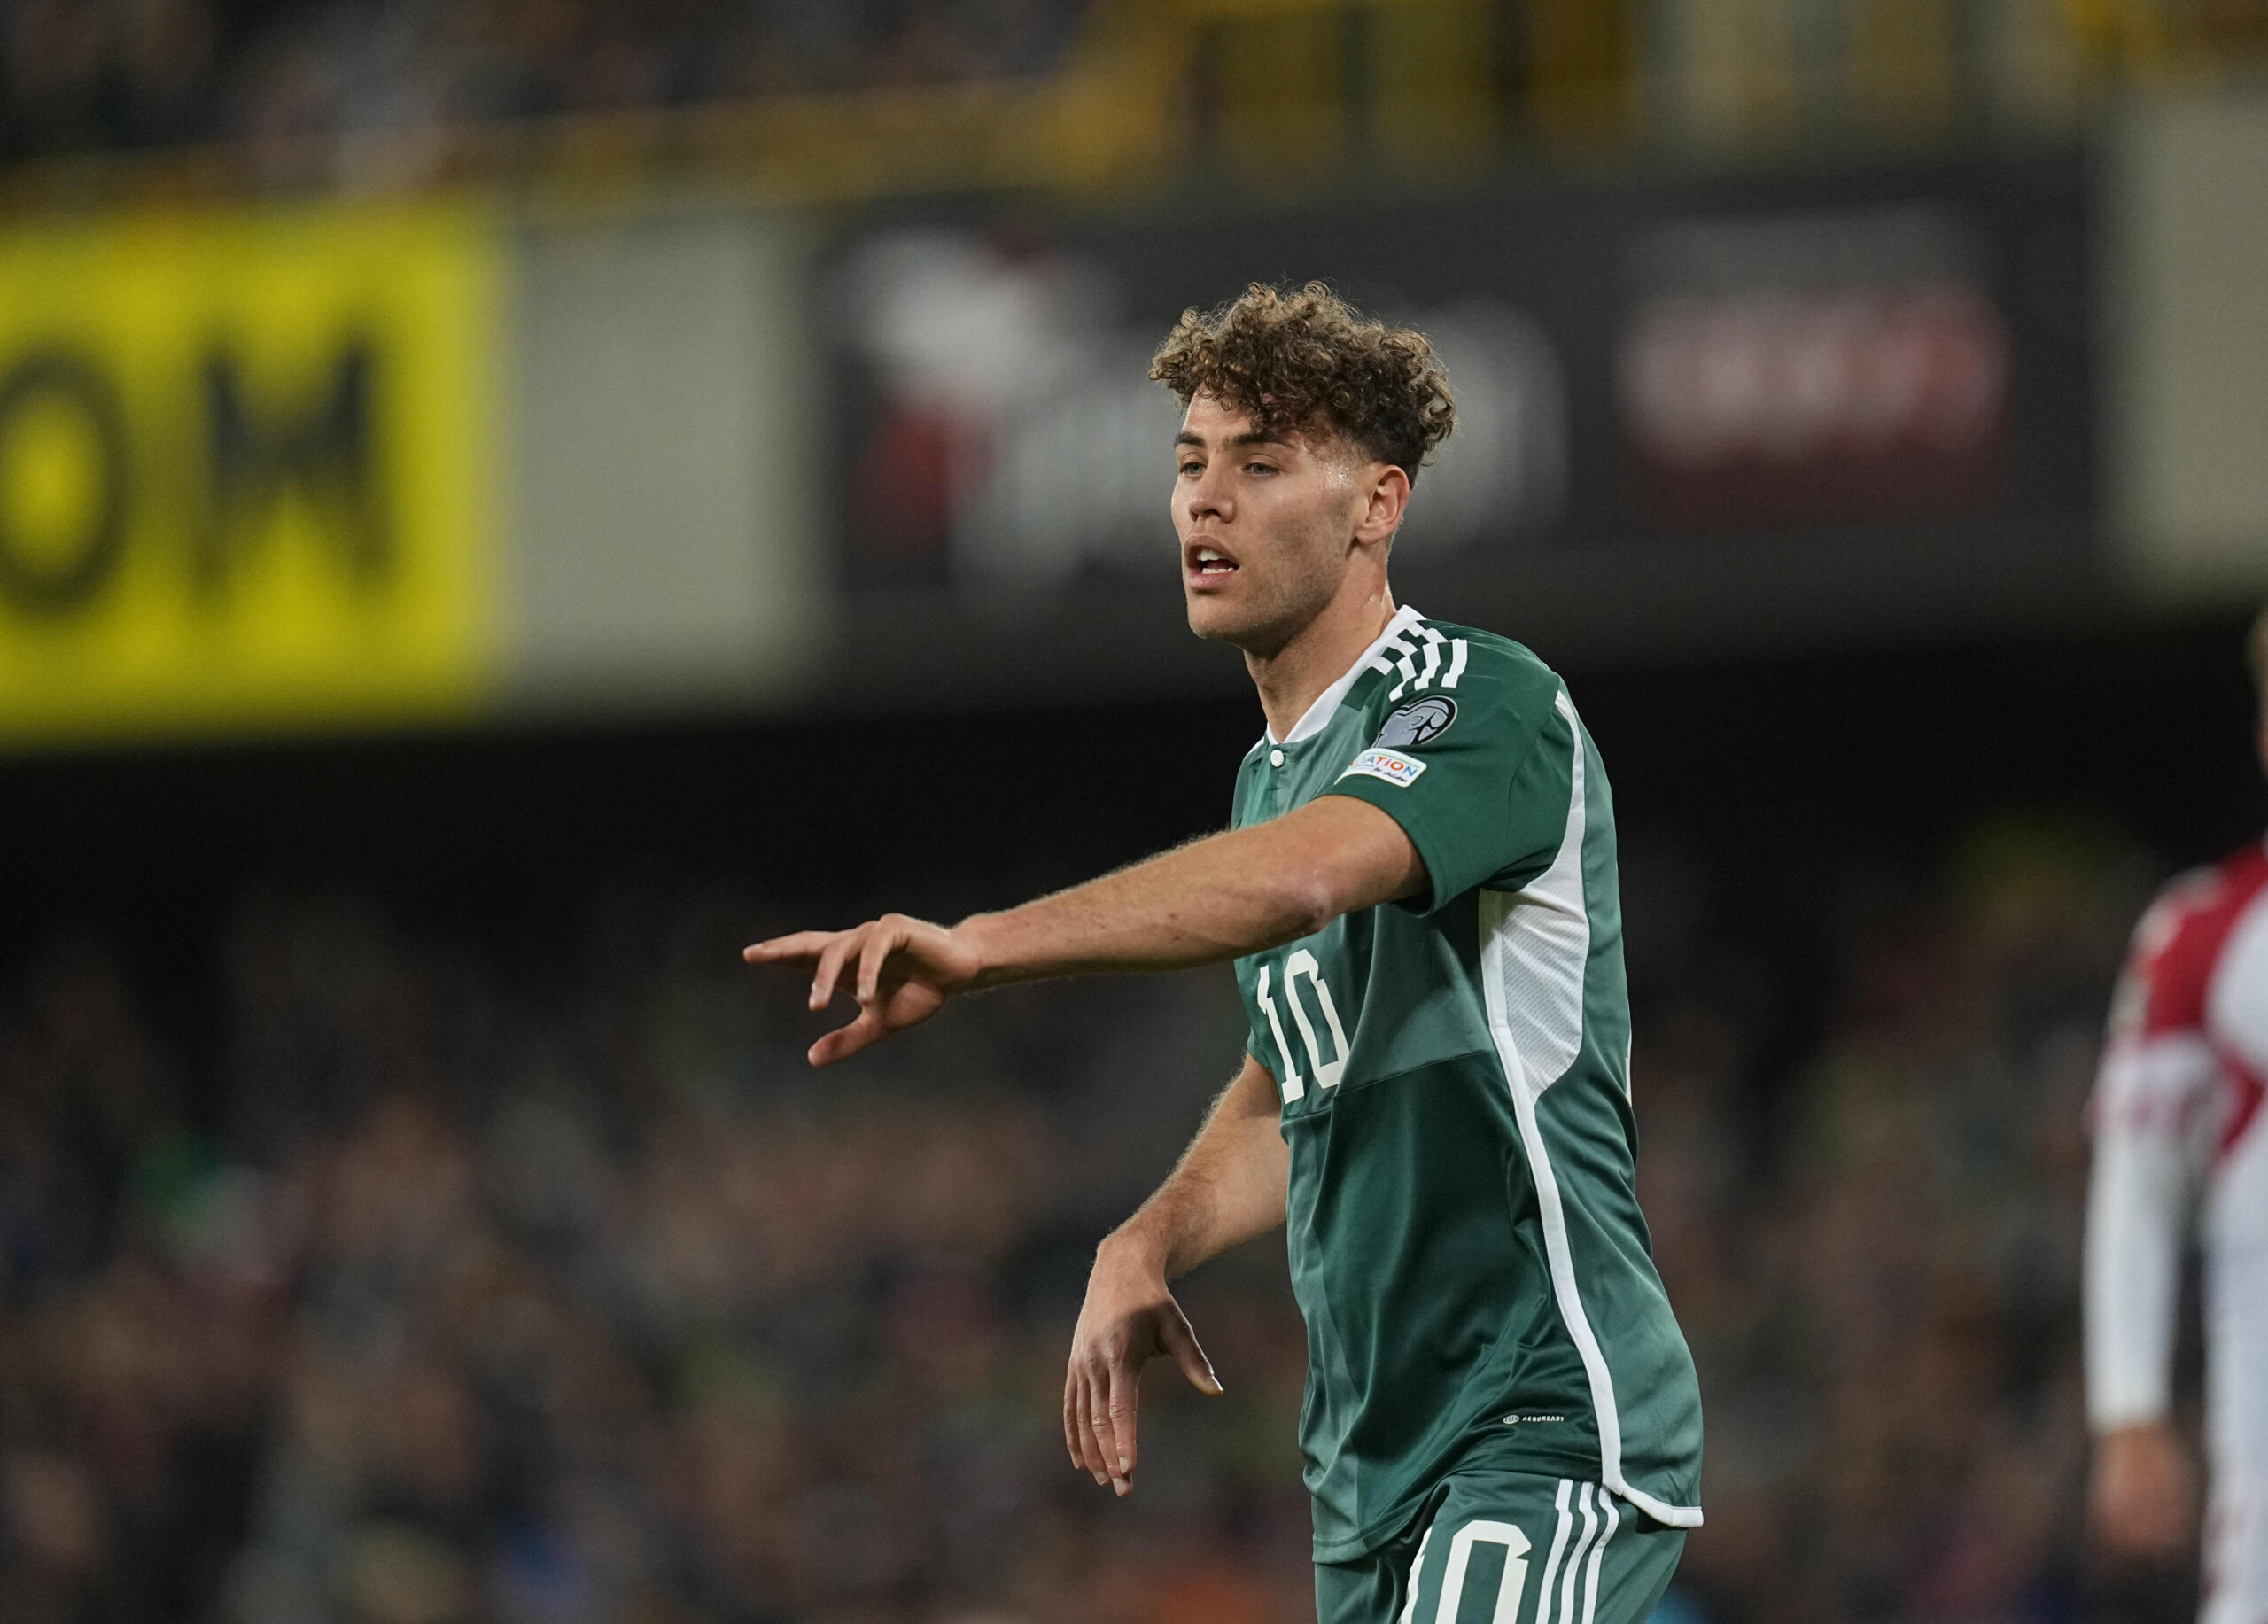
x: 1212, y: 899
x: 1228, y: 1188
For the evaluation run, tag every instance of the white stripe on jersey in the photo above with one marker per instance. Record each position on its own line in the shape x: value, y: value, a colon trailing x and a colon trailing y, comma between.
x: 1423, y: 679
x: 1534, y: 945
x: 1433, y: 642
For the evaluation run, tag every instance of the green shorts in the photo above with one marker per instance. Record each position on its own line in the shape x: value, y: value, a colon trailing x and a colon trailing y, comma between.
x: 1509, y: 1548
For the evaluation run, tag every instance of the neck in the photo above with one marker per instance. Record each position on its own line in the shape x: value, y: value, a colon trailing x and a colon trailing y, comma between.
x: 1291, y: 678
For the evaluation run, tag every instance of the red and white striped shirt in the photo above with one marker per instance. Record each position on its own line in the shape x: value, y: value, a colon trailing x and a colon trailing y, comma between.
x: 2180, y: 1130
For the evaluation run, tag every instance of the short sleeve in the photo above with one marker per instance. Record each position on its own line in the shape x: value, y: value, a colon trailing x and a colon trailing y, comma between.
x: 1478, y: 779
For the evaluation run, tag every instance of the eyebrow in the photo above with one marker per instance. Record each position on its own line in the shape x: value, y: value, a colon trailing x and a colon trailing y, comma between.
x: 1251, y: 437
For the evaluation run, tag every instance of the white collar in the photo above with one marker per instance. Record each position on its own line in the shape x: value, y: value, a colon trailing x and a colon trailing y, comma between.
x: 1327, y: 703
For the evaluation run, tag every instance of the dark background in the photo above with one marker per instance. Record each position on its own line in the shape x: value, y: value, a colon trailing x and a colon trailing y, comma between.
x: 1775, y: 772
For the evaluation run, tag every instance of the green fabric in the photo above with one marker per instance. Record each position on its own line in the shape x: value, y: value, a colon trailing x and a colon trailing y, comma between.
x: 1579, y: 1557
x: 1421, y: 1236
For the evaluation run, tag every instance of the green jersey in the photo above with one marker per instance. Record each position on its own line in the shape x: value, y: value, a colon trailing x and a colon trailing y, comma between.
x: 1465, y: 1240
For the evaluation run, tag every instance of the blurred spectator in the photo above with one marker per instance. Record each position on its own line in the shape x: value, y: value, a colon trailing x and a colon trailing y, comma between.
x: 332, y: 92
x: 476, y: 1303
x: 82, y: 76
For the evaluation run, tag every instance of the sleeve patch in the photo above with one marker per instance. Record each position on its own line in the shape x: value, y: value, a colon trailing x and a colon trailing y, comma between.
x: 1418, y: 722
x: 1392, y: 767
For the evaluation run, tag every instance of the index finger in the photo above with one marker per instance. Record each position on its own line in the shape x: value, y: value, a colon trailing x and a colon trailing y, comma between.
x: 801, y: 944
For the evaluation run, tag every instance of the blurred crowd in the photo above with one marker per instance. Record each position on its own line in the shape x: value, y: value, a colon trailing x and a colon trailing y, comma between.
x: 1880, y: 1276
x: 481, y: 1288
x: 88, y: 74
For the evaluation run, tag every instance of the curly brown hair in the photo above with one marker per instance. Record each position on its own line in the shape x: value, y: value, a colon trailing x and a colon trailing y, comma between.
x: 1308, y: 358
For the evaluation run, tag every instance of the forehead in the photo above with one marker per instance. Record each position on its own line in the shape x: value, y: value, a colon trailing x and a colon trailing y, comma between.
x: 1217, y: 423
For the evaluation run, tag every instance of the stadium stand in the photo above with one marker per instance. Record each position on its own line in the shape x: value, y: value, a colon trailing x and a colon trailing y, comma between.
x: 164, y: 73
x: 457, y: 1232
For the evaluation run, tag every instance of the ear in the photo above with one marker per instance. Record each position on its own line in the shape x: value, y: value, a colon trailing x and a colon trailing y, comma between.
x: 1387, y: 498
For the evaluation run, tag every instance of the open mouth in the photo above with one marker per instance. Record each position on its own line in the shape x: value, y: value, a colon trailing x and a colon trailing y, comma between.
x: 1210, y: 564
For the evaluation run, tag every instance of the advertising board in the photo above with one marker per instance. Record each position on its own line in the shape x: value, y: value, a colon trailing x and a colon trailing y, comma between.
x: 1744, y: 404
x: 343, y: 466
x: 245, y: 469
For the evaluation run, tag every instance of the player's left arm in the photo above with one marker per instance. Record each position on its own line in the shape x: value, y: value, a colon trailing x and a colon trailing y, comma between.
x: 2141, y: 1494
x: 2152, y: 1127
x: 1219, y: 898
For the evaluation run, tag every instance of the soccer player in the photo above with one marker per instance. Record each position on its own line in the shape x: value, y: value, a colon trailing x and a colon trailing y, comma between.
x: 2176, y: 1116
x: 1419, y: 890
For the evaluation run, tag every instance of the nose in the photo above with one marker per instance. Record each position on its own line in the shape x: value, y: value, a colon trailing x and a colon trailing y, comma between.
x: 1207, y: 496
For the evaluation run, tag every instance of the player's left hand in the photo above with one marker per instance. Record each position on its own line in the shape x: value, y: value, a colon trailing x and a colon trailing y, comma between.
x: 905, y: 970
x: 2142, y: 1494
x: 1129, y: 1318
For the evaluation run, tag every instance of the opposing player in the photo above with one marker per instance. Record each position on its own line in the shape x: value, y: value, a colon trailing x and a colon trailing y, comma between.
x: 2178, y: 1132
x: 1419, y: 890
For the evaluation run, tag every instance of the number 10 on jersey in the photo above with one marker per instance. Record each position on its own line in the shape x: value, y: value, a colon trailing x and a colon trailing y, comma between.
x: 1327, y: 1072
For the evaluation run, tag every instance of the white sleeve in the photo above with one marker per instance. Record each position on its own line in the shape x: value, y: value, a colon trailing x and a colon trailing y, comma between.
x: 2152, y: 1130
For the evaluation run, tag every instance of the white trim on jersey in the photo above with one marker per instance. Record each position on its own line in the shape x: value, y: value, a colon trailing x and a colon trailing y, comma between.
x: 1433, y: 666
x: 1401, y: 653
x: 1418, y: 679
x: 1326, y: 703
x: 1541, y: 935
x: 1534, y: 949
x: 1430, y: 642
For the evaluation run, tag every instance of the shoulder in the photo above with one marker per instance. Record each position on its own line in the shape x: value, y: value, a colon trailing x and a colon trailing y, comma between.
x: 2203, y: 903
x: 2178, y: 941
x: 1490, y: 651
x: 1467, y: 666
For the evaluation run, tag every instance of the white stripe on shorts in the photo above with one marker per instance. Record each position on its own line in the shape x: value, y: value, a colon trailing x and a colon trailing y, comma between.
x: 1558, y: 1549
x: 1599, y: 1553
x: 1575, y: 1557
